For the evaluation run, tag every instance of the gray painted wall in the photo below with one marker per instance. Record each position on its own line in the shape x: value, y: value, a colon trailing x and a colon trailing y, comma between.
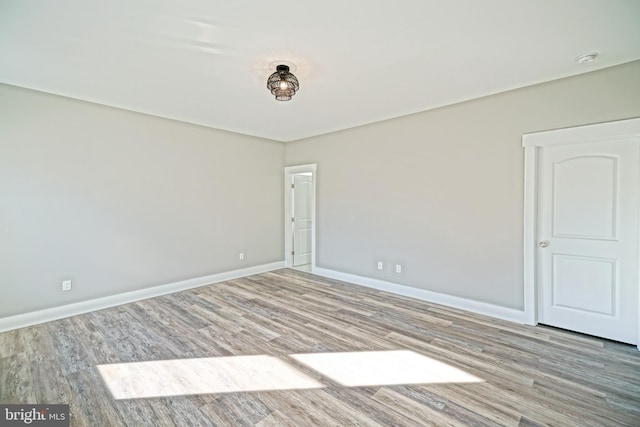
x: 441, y: 192
x: 119, y: 201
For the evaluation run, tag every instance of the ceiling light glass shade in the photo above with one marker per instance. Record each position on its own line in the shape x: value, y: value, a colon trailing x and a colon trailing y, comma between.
x: 282, y: 84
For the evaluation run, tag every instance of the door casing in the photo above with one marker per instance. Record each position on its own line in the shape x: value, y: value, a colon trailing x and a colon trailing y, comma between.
x: 289, y: 171
x: 532, y: 144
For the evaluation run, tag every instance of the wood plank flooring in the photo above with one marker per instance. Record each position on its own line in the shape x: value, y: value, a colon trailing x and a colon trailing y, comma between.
x: 532, y: 376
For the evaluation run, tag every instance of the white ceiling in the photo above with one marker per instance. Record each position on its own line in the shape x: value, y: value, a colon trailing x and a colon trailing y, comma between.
x: 358, y: 61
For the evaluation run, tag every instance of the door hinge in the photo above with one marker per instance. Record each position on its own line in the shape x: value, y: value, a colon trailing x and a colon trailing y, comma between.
x: 293, y: 252
x: 293, y: 186
x: 293, y: 219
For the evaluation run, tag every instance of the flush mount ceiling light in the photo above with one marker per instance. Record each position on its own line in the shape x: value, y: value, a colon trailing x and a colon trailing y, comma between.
x: 282, y: 83
x: 587, y: 57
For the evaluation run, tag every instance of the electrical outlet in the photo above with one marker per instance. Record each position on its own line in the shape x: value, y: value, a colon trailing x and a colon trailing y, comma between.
x: 66, y: 285
x: 380, y: 265
x: 398, y: 268
x: 241, y: 256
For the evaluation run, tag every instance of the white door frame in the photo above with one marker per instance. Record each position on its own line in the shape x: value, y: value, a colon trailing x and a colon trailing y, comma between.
x: 289, y: 171
x: 532, y: 144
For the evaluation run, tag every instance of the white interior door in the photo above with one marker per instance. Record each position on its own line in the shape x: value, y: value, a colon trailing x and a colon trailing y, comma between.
x: 302, y: 192
x: 587, y: 260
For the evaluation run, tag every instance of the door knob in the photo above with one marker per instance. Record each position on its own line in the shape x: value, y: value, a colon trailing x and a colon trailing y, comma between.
x: 543, y: 244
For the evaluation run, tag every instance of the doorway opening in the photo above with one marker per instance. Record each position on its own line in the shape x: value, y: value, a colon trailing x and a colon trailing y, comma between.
x: 299, y: 217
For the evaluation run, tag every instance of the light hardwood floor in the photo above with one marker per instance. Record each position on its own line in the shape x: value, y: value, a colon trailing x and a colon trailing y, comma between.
x: 531, y: 376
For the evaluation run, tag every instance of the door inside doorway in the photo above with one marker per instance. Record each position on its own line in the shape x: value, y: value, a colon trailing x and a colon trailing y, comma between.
x: 301, y: 219
x: 586, y: 228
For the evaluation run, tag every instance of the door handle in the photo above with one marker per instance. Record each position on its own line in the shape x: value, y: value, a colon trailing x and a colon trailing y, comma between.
x: 543, y: 244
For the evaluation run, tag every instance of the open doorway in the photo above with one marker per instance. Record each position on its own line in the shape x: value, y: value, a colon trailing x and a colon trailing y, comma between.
x: 300, y: 184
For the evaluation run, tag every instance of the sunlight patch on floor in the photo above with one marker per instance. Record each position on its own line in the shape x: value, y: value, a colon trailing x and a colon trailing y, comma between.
x: 267, y: 373
x: 376, y: 368
x: 202, y: 376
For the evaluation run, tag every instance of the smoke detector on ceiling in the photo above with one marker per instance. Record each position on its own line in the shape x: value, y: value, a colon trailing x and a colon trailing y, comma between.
x: 587, y: 57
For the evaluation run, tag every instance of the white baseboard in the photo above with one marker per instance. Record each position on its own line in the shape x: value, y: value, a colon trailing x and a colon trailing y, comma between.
x: 477, y: 307
x: 55, y: 313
